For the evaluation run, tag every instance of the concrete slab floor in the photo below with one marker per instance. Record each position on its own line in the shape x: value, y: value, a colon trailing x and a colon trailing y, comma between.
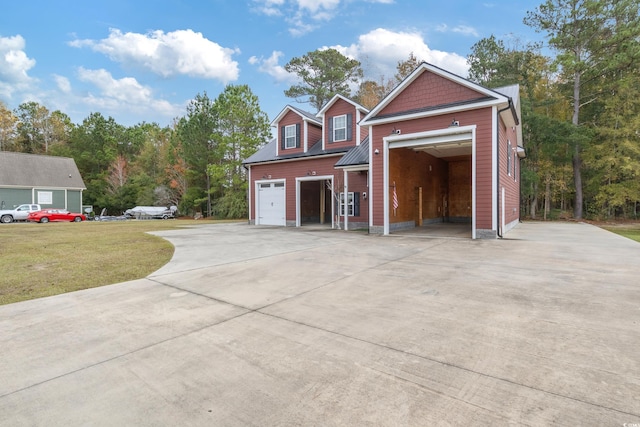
x: 270, y: 326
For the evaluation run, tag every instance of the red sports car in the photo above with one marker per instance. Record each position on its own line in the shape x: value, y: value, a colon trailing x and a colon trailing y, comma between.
x: 47, y: 215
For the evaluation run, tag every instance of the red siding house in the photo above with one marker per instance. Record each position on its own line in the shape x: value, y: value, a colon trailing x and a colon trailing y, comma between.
x: 438, y: 148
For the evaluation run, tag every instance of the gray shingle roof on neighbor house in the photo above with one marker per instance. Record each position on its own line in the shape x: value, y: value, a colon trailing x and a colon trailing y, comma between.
x: 268, y: 153
x: 35, y: 170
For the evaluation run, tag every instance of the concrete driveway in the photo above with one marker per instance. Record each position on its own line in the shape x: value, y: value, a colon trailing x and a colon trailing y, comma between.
x: 268, y: 326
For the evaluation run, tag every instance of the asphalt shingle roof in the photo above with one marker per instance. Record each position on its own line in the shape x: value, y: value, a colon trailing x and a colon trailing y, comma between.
x: 268, y: 153
x: 34, y: 170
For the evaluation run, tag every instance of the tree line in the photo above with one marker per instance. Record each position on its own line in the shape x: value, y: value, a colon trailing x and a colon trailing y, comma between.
x: 580, y: 108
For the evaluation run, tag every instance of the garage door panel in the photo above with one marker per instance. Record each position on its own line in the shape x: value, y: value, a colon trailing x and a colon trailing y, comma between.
x: 271, y: 203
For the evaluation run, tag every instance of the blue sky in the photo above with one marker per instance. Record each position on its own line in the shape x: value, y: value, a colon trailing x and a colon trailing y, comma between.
x: 144, y: 61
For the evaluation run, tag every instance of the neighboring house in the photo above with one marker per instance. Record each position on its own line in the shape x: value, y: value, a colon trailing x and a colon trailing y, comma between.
x: 52, y: 182
x: 438, y: 148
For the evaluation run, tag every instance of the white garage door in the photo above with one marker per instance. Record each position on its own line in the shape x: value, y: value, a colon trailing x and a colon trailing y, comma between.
x: 271, y: 203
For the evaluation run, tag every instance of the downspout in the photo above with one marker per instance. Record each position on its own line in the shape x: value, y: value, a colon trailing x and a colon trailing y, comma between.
x: 498, y: 192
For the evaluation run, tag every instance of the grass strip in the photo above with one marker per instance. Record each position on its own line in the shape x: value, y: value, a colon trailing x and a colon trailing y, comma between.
x: 39, y: 260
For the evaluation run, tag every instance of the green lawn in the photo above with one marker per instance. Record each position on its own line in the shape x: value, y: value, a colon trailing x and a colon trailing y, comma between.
x: 631, y: 231
x: 39, y: 260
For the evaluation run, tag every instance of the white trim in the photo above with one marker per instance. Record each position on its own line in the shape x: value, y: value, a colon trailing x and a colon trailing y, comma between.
x: 503, y: 211
x: 324, y: 125
x: 346, y: 126
x: 357, y: 126
x: 41, y: 187
x: 494, y: 168
x: 431, y: 113
x: 425, y: 138
x: 314, y: 178
x: 333, y: 101
x: 283, y: 113
x: 474, y: 184
x: 305, y: 143
x: 370, y: 177
x: 354, y: 168
x: 437, y: 136
x: 345, y: 191
x: 257, y: 193
x: 385, y: 183
x: 286, y: 136
x: 499, y: 98
x: 249, y: 201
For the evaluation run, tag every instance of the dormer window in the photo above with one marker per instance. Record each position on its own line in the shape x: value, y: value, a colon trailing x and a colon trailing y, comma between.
x: 290, y: 137
x: 340, y: 128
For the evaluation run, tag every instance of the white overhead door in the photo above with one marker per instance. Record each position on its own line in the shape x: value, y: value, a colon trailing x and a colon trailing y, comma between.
x: 271, y: 203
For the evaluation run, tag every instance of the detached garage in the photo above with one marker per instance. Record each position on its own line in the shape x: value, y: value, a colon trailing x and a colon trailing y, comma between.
x: 52, y: 182
x: 437, y: 149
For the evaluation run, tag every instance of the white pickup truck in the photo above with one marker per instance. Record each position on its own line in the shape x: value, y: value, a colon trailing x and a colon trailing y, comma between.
x: 18, y: 214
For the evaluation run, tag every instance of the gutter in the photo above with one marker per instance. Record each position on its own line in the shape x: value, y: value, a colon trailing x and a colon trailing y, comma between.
x: 508, y: 107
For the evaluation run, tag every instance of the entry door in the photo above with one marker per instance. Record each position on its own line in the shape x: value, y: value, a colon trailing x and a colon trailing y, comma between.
x: 271, y: 203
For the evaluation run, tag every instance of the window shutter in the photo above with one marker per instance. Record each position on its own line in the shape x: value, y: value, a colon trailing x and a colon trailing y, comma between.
x: 282, y: 136
x: 349, y: 127
x: 356, y: 204
x: 330, y: 129
x: 297, y: 135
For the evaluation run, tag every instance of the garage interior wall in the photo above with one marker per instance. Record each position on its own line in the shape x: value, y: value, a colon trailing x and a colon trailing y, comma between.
x: 429, y: 189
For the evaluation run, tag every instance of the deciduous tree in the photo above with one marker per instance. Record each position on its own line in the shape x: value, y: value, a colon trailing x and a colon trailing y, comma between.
x: 587, y: 35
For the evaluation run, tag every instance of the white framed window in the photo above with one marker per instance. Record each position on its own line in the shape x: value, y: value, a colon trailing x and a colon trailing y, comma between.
x: 340, y: 128
x: 290, y: 136
x: 349, y: 204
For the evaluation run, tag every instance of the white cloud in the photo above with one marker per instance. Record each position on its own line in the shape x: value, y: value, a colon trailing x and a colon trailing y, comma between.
x: 126, y: 94
x: 14, y: 66
x: 269, y: 7
x: 182, y: 52
x: 313, y: 6
x: 63, y: 83
x: 272, y: 67
x: 380, y: 50
x: 303, y: 16
x: 459, y: 29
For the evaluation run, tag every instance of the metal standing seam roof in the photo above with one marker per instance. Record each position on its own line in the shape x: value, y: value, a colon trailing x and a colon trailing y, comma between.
x: 35, y: 170
x: 358, y: 155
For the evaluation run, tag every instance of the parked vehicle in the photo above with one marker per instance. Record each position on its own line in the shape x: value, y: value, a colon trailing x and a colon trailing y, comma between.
x: 151, y: 212
x: 47, y: 215
x: 104, y: 217
x: 18, y: 214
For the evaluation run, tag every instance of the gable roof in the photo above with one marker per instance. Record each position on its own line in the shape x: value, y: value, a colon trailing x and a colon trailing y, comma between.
x: 486, y: 97
x: 35, y: 170
x: 306, y: 116
x: 335, y: 98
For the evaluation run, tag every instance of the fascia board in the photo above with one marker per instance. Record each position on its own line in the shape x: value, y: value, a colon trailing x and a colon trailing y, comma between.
x: 432, y: 113
x: 440, y: 72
